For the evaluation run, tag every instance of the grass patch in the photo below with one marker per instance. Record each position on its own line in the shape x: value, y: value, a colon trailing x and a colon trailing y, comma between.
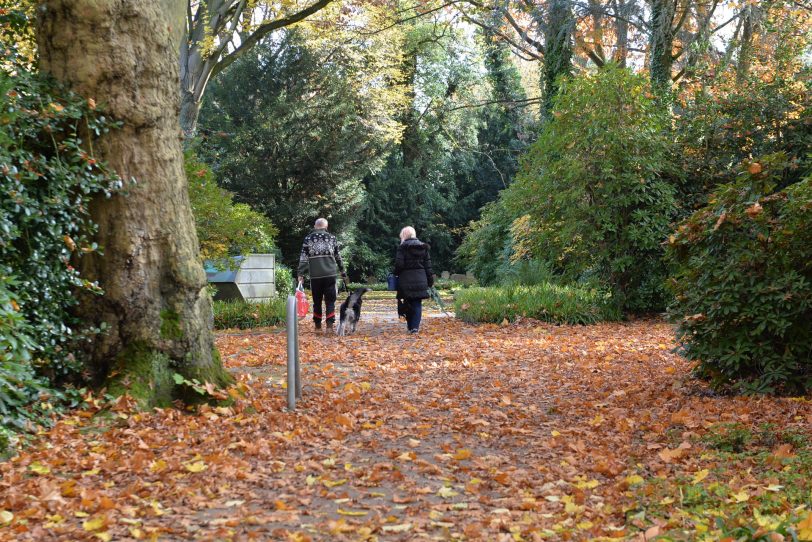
x: 247, y: 315
x: 440, y: 284
x: 546, y: 302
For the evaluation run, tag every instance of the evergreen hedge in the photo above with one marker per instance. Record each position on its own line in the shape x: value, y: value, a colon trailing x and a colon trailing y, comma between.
x: 742, y: 279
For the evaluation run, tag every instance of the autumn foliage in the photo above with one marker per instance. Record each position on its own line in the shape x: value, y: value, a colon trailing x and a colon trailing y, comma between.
x: 526, y: 431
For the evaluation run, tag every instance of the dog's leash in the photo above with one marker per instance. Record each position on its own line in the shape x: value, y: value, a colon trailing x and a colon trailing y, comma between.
x: 435, y: 295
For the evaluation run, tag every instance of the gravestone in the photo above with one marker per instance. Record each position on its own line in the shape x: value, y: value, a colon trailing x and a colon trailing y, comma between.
x: 462, y: 279
x: 252, y: 278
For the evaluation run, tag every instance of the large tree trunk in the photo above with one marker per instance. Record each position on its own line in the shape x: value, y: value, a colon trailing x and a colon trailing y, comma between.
x: 157, y: 314
x: 746, y: 49
x: 558, y: 49
x: 623, y: 10
x: 661, y: 46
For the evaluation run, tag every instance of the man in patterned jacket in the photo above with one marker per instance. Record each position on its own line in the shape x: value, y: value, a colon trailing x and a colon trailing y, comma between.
x: 321, y: 260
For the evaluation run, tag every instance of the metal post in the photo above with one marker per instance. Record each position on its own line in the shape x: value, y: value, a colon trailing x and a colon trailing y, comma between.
x: 297, y: 360
x: 292, y: 321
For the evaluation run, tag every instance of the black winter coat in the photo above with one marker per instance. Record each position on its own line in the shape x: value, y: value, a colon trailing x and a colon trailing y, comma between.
x: 413, y: 268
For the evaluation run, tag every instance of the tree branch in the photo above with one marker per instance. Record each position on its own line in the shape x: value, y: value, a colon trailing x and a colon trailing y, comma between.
x: 532, y: 55
x: 520, y: 103
x: 266, y: 28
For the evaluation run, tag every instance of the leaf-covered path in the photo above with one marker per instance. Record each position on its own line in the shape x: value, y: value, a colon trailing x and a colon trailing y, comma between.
x: 518, y: 432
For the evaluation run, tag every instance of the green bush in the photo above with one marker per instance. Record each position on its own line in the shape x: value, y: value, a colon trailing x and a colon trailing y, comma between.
x: 487, y: 247
x: 590, y: 200
x: 545, y: 302
x: 590, y: 197
x: 224, y: 228
x: 48, y: 176
x: 284, y: 279
x: 23, y: 394
x: 247, y: 315
x: 742, y: 277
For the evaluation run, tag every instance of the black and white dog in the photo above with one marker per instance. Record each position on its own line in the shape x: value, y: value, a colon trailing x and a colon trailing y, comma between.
x: 350, y: 312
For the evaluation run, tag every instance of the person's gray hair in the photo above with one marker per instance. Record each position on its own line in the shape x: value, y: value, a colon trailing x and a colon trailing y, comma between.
x: 407, y: 233
x: 321, y: 223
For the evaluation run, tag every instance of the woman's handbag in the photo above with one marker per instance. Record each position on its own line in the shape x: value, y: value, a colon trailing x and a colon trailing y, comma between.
x: 392, y: 282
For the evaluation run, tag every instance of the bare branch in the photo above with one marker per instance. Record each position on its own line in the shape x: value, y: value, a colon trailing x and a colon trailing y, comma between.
x: 265, y: 29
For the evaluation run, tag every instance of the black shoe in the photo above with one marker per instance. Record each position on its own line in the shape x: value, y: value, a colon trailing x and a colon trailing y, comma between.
x: 318, y: 325
x: 414, y: 331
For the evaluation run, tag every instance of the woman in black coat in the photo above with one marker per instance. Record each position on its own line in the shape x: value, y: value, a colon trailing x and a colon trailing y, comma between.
x: 413, y: 269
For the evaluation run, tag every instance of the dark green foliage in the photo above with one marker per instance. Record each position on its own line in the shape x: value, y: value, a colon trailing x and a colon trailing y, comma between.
x: 20, y: 387
x: 247, y: 315
x: 453, y: 159
x: 742, y: 278
x: 289, y: 134
x: 487, y: 248
x: 47, y: 177
x: 546, y: 302
x: 558, y: 37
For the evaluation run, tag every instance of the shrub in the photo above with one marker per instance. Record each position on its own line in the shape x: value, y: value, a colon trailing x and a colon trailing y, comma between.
x: 23, y: 394
x: 546, y: 302
x: 487, y: 247
x: 741, y: 119
x: 590, y: 198
x: 284, y: 279
x: 247, y: 315
x: 742, y: 277
x: 47, y: 178
x: 224, y: 228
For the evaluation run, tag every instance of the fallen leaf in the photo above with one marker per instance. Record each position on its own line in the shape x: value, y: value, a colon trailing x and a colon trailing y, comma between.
x: 94, y: 524
x: 402, y: 528
x: 39, y: 468
x: 462, y: 454
x: 805, y: 528
x: 700, y: 475
x: 446, y: 492
x: 344, y: 512
x: 197, y: 466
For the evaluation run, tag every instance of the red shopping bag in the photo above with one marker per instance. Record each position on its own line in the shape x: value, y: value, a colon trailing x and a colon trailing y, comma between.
x: 302, y: 305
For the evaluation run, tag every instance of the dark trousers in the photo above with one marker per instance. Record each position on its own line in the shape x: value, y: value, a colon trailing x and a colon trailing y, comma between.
x: 414, y: 313
x: 324, y: 289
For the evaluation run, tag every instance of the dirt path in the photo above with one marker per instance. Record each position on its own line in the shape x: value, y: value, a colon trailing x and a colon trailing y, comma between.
x: 520, y: 432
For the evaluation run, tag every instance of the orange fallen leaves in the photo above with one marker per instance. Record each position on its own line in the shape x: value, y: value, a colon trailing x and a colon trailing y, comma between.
x: 493, y: 431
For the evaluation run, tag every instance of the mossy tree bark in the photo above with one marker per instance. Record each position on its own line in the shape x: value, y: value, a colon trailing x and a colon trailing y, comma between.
x: 558, y: 52
x: 123, y: 54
